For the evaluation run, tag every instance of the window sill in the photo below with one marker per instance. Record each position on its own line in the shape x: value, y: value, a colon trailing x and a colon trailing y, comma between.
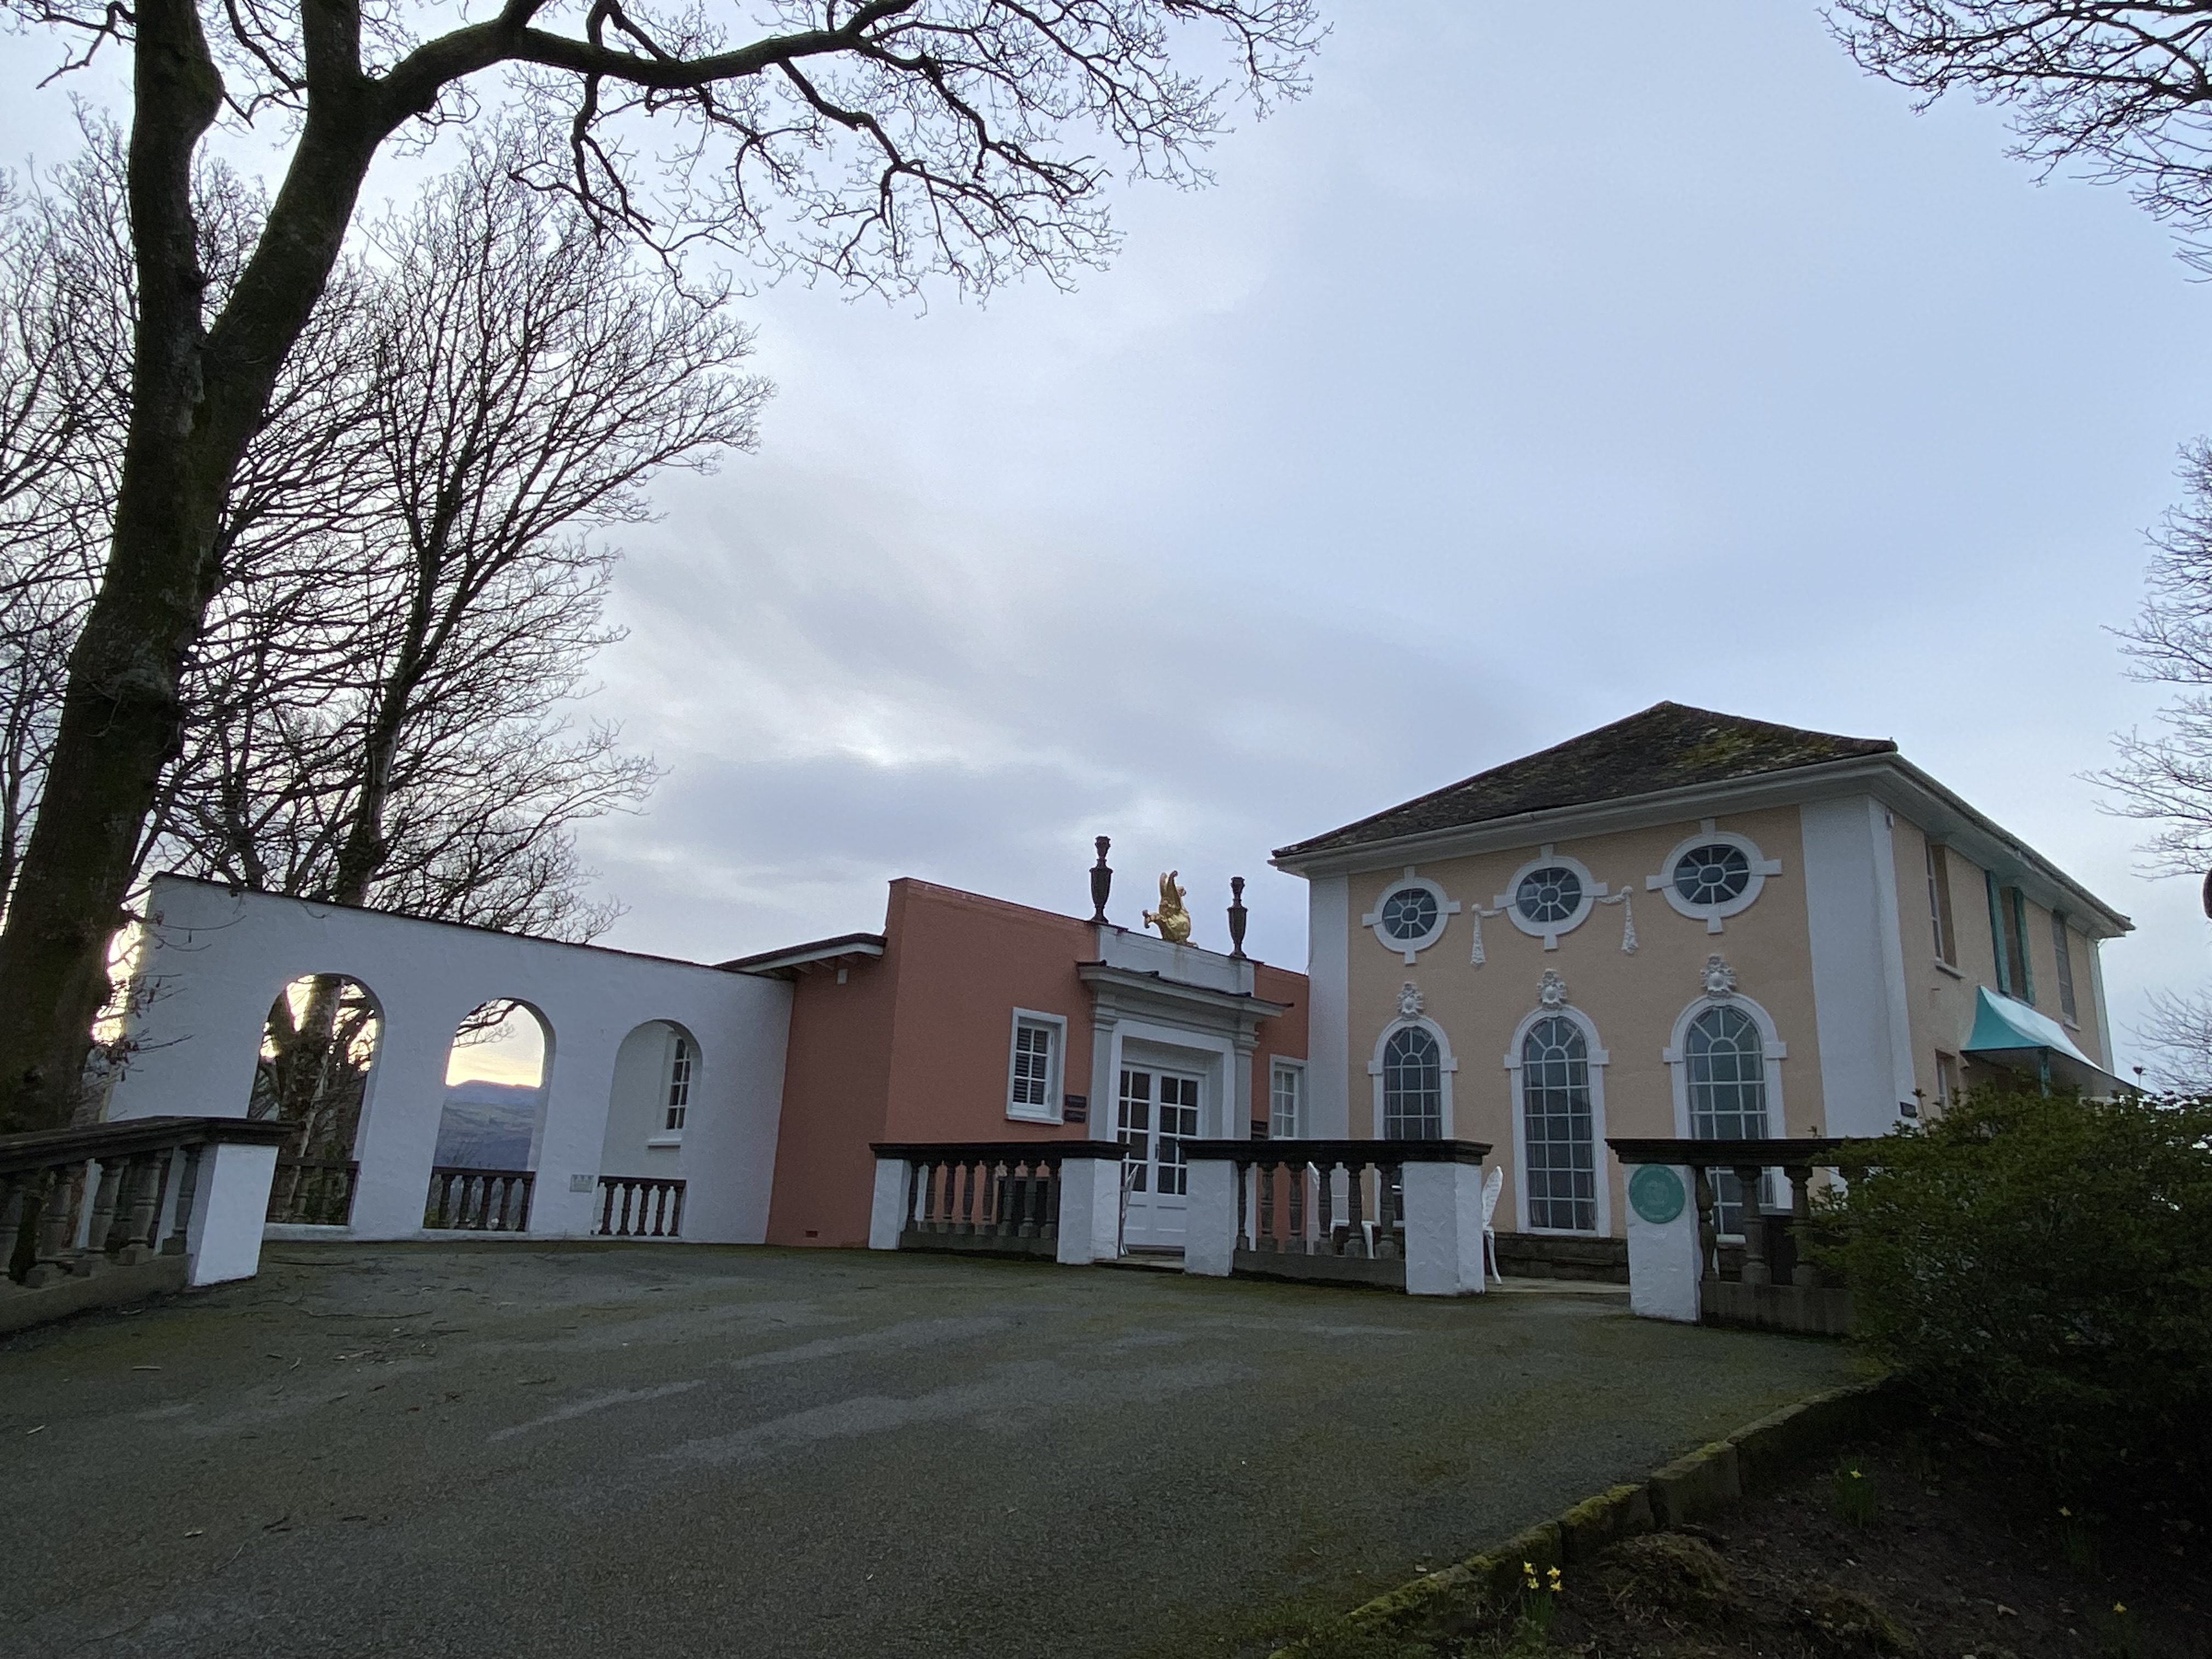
x: 1943, y: 966
x: 1013, y: 1117
x: 660, y: 1141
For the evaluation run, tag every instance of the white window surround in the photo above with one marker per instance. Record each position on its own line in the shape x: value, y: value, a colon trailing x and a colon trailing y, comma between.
x: 1445, y: 1067
x: 1773, y: 1050
x: 1602, y: 1158
x: 1057, y: 1025
x: 1713, y: 915
x: 1549, y: 932
x: 1411, y: 948
x: 1294, y: 1072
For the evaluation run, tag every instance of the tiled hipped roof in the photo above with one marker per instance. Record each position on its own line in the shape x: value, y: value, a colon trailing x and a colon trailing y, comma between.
x: 1667, y: 746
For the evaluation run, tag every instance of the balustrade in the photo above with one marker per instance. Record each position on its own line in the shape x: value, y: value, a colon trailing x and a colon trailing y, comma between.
x: 478, y: 1201
x: 639, y: 1206
x: 75, y: 1202
x: 313, y: 1191
x: 1763, y: 1277
x: 1330, y: 1211
x: 994, y: 1198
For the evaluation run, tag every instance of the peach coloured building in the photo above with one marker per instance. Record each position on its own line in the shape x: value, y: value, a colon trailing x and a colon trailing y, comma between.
x: 1682, y: 924
x: 970, y: 1019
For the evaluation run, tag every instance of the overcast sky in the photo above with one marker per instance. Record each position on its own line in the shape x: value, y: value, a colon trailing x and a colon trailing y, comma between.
x: 1517, y: 380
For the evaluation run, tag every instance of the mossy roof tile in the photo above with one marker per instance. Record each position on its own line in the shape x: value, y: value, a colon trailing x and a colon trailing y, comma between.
x: 1668, y: 745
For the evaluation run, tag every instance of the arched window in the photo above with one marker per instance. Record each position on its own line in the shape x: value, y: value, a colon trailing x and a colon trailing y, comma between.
x: 1727, y: 1060
x: 1555, y: 1107
x: 1412, y: 1086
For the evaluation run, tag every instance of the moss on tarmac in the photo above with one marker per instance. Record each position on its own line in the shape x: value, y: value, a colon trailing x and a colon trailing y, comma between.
x: 506, y: 1449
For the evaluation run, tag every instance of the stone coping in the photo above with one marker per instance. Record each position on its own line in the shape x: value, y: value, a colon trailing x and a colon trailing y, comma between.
x: 1452, y: 1599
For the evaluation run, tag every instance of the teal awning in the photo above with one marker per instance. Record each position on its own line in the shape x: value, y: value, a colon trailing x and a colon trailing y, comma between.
x: 2007, y: 1032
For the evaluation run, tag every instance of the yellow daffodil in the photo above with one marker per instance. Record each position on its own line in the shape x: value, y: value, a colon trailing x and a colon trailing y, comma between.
x: 2119, y: 1606
x: 2063, y: 1510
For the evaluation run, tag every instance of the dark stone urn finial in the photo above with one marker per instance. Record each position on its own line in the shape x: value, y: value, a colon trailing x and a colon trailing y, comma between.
x: 1102, y: 882
x: 1237, y: 914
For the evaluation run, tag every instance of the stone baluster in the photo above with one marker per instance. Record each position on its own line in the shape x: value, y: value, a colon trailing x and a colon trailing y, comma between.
x: 1390, y: 1183
x: 1326, y: 1170
x: 1709, y: 1237
x: 1267, y: 1239
x: 1355, y: 1236
x: 188, y: 1188
x: 58, y: 1225
x: 967, y: 1227
x: 1297, y: 1198
x: 1247, y: 1173
x: 1749, y: 1177
x: 132, y: 1239
x: 106, y: 1191
x: 1804, y: 1274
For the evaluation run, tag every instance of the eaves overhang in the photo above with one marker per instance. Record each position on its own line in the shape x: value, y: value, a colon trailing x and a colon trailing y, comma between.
x: 798, y: 958
x: 1890, y: 779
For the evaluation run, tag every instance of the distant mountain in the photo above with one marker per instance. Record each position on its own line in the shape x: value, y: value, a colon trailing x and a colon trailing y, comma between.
x: 486, y: 1126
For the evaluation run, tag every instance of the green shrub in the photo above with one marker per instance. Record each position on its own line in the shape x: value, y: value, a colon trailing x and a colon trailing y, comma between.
x: 2042, y: 1266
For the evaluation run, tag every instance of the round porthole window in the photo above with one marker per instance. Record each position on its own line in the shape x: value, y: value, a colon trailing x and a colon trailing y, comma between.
x: 1711, y: 875
x: 1547, y: 896
x: 1410, y: 915
x: 1550, y: 895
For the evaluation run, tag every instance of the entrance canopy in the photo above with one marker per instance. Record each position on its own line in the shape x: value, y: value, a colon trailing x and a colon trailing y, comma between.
x: 2007, y: 1032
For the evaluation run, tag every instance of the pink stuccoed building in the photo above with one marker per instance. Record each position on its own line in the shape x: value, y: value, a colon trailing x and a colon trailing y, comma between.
x: 970, y: 1020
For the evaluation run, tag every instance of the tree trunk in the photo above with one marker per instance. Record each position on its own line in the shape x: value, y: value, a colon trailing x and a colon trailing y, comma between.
x: 197, y: 395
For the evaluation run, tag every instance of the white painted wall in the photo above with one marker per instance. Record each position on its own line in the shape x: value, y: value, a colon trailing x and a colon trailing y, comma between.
x: 1858, y: 965
x: 215, y: 960
x: 1444, y: 1230
x: 637, y: 1108
x: 1328, y: 1007
x: 1663, y: 1269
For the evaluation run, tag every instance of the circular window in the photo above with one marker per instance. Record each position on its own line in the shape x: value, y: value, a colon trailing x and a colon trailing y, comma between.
x: 1712, y: 875
x: 1409, y: 914
x: 1548, y: 896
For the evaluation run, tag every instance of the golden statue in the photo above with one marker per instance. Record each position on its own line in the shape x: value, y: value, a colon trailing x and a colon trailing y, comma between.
x: 1171, y: 918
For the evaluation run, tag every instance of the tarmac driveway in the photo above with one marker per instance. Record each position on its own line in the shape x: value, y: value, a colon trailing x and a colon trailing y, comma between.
x: 489, y: 1448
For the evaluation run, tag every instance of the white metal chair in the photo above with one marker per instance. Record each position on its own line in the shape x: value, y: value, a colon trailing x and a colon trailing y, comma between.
x: 1492, y: 1184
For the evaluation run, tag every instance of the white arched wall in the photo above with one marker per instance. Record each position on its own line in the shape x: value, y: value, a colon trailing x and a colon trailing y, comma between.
x: 1447, y: 1065
x: 1772, y: 1050
x: 1600, y: 1156
x: 637, y: 1140
x: 216, y: 959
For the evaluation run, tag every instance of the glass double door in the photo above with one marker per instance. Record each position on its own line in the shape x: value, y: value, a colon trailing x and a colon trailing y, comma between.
x: 1158, y: 1111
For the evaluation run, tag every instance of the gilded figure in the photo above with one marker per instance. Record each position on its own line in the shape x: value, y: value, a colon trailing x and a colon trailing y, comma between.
x: 1171, y: 918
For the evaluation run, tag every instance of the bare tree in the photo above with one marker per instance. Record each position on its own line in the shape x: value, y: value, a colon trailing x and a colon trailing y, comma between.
x: 2123, y: 86
x: 873, y: 142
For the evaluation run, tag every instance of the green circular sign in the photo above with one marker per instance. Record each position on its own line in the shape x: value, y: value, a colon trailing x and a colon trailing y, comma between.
x: 1657, y: 1192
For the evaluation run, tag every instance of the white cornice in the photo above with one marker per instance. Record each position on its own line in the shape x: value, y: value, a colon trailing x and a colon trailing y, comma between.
x: 1891, y: 779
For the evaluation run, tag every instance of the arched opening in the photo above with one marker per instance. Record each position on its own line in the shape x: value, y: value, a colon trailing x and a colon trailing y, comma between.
x: 482, y: 1174
x: 653, y: 1104
x: 1557, y: 1131
x: 495, y: 1089
x: 1725, y: 1053
x: 318, y: 1049
x: 1412, y: 1086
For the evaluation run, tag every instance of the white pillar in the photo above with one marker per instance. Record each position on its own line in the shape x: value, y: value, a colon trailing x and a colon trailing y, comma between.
x: 1209, y: 1240
x: 1090, y: 1205
x: 1444, y: 1228
x: 887, y: 1210
x: 1663, y: 1269
x: 230, y: 1202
